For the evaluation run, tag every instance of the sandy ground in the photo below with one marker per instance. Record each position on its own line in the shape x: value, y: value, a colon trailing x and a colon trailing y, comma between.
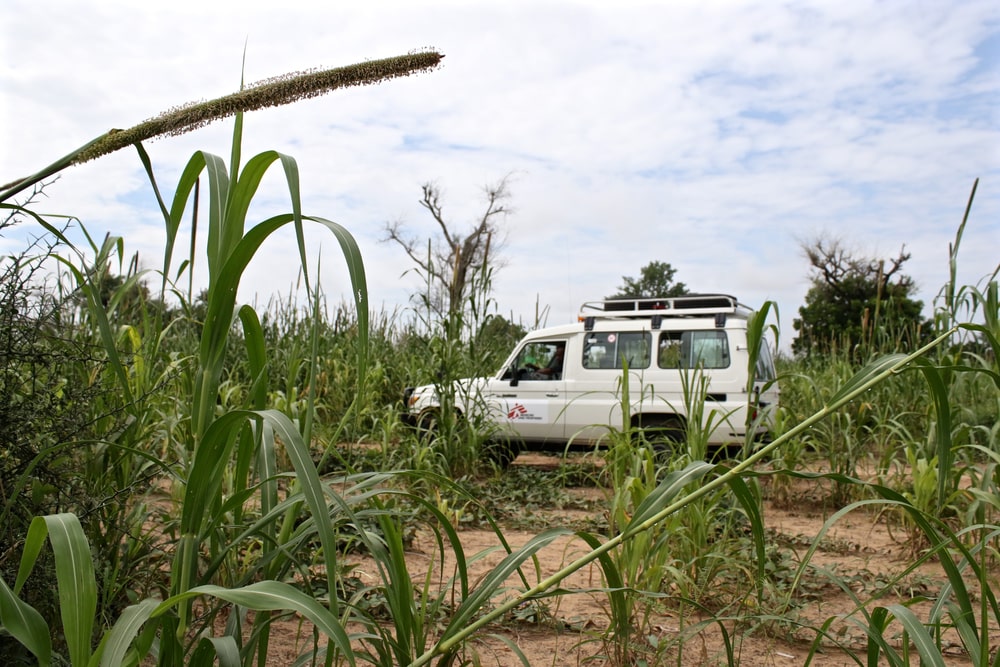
x: 570, y: 634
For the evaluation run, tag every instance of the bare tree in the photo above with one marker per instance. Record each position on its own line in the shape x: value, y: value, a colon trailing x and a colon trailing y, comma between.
x: 450, y: 261
x: 854, y: 297
x: 832, y: 264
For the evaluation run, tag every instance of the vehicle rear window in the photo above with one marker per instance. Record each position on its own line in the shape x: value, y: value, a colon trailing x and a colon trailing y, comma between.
x: 688, y: 349
x: 765, y: 364
x: 614, y: 349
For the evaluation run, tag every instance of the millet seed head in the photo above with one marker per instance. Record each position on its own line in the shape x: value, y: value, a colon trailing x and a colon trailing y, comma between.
x: 272, y: 92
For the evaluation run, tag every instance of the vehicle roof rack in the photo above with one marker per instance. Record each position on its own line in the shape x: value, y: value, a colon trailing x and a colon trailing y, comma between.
x: 689, y: 305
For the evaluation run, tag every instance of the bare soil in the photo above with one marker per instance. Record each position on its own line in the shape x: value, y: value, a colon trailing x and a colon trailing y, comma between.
x: 863, y: 548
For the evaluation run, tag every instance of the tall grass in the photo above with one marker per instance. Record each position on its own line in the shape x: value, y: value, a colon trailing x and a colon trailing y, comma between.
x: 466, y: 342
x: 933, y: 432
x: 230, y: 458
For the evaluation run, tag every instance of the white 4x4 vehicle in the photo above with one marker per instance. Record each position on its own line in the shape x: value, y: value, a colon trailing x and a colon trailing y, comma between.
x: 563, y: 385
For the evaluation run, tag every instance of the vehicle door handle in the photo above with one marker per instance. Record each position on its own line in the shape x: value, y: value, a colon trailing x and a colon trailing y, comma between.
x: 555, y: 395
x: 507, y: 395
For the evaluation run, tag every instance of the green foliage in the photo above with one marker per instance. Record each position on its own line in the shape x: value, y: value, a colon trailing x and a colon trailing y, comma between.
x: 39, y: 406
x: 227, y: 458
x: 656, y: 279
x: 68, y: 431
x: 856, y: 301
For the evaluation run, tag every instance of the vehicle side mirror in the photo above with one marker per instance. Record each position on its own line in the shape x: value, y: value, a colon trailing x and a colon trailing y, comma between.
x: 515, y: 376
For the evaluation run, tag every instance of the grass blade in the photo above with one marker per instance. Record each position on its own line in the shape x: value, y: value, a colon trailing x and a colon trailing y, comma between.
x: 276, y: 596
x: 490, y: 585
x: 929, y: 652
x: 74, y: 578
x: 25, y: 624
x: 123, y: 632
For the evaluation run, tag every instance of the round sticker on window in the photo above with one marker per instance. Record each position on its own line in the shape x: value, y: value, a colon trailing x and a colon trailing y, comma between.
x: 611, y: 338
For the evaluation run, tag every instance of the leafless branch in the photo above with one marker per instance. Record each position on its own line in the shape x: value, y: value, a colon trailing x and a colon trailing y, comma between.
x: 452, y: 259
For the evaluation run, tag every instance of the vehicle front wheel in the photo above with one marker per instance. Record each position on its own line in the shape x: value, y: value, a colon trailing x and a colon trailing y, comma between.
x: 428, y: 425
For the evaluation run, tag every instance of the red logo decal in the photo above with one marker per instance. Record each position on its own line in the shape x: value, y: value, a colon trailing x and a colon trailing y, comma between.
x: 517, y: 411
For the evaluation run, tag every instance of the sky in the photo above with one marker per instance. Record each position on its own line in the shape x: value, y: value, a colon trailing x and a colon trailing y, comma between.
x: 715, y: 136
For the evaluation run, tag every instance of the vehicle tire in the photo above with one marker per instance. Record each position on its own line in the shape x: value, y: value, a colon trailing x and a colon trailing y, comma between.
x: 502, y: 452
x: 663, y: 432
x: 427, y: 425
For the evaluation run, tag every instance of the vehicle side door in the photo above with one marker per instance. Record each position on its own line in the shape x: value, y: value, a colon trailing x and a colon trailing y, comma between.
x: 531, y: 393
x: 594, y: 392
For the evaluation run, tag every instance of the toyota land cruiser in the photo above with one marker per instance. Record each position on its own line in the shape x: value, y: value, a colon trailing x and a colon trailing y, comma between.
x: 562, y: 385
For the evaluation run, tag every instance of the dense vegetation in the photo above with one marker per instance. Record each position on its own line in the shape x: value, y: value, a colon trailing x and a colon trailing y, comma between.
x: 196, y: 468
x: 656, y: 279
x: 855, y: 300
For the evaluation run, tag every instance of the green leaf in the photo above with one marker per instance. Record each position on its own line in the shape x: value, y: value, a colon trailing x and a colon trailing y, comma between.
x: 25, y: 625
x: 493, y: 581
x: 942, y: 429
x: 77, y: 583
x: 751, y: 503
x: 616, y: 589
x: 868, y: 374
x: 218, y: 201
x: 359, y: 289
x: 211, y: 648
x: 122, y: 633
x: 672, y: 485
x: 74, y: 578
x: 253, y: 336
x: 930, y: 654
x: 274, y: 596
x: 310, y: 487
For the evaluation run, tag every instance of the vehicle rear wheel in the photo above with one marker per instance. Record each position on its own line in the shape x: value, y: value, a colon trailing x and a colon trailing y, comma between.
x: 663, y: 432
x: 502, y: 452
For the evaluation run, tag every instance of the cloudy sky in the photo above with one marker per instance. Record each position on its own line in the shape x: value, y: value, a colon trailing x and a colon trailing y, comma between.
x: 713, y: 136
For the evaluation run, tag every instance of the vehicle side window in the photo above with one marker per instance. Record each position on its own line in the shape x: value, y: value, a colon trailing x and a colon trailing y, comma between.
x: 541, y: 360
x: 765, y: 364
x: 613, y: 349
x: 688, y: 349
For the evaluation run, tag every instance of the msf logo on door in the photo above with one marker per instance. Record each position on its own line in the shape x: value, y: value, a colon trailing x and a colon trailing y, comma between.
x: 517, y: 411
x: 528, y: 411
